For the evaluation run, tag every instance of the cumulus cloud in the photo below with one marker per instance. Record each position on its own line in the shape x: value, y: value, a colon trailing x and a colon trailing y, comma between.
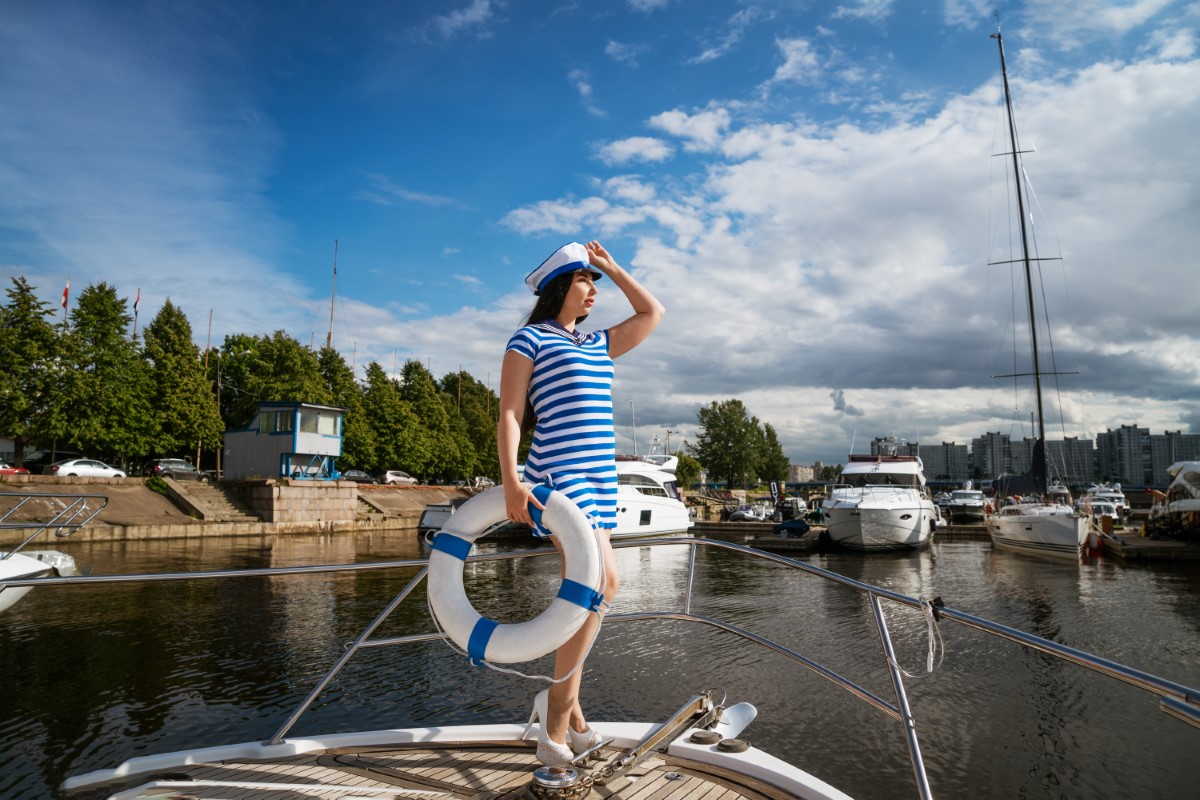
x: 702, y: 130
x: 635, y: 148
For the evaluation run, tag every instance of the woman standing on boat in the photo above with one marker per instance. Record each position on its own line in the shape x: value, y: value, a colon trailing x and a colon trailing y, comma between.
x: 559, y: 383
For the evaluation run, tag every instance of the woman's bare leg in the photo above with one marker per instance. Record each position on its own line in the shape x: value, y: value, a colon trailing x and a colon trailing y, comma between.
x: 563, y: 703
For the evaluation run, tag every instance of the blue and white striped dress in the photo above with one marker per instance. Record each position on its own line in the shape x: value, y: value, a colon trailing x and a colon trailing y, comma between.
x: 574, y: 448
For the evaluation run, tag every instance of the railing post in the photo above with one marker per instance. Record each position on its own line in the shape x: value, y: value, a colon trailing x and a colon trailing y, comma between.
x: 906, y: 717
x: 346, y: 656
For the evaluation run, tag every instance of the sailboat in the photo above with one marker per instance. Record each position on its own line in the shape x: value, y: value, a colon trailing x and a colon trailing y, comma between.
x: 1031, y: 519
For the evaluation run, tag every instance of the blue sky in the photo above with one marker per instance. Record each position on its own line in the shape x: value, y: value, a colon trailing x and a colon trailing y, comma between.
x: 808, y: 186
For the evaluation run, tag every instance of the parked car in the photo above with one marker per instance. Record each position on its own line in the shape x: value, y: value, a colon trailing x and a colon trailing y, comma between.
x: 84, y: 468
x: 8, y: 469
x: 394, y: 477
x: 179, y: 469
x: 357, y: 475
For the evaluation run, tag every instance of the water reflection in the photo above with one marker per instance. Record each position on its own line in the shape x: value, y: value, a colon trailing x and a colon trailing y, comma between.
x: 110, y: 672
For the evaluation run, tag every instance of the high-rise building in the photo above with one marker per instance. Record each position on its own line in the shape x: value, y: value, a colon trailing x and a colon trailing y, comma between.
x: 1123, y: 456
x: 945, y: 462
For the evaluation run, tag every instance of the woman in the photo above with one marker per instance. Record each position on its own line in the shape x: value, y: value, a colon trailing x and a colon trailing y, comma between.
x: 559, y: 382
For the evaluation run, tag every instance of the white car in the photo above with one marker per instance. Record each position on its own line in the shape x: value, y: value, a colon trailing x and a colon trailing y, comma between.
x: 84, y: 468
x: 394, y: 477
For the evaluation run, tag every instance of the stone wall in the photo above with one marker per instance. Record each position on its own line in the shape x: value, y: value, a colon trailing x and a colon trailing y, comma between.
x: 317, y: 502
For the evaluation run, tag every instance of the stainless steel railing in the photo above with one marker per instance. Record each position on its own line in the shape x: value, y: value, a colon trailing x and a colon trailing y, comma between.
x: 75, y: 511
x: 1175, y: 699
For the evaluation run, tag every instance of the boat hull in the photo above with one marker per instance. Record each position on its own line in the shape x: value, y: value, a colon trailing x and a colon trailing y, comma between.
x: 1051, y: 535
x: 868, y: 527
x: 19, y: 566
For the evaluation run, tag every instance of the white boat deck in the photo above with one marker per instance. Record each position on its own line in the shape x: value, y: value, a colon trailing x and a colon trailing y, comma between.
x: 500, y: 769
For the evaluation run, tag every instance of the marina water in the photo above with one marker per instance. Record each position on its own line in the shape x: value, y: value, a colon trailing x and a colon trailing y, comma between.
x: 100, y: 674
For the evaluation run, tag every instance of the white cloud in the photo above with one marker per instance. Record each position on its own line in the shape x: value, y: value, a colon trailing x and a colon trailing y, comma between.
x: 635, y: 148
x: 472, y: 18
x: 579, y: 79
x: 871, y: 10
x: 702, y: 130
x: 800, y: 62
x: 625, y: 53
x: 384, y: 192
x: 855, y: 258
x: 730, y: 36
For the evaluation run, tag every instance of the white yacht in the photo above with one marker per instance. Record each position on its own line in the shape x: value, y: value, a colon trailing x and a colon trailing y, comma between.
x: 881, y: 504
x: 967, y: 505
x: 648, y: 501
x: 1109, y: 493
x: 1176, y: 512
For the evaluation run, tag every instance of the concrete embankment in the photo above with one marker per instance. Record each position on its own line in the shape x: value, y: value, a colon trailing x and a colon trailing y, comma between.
x: 135, y: 512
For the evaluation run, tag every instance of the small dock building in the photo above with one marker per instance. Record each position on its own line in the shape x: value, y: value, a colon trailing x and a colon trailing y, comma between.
x: 286, y: 440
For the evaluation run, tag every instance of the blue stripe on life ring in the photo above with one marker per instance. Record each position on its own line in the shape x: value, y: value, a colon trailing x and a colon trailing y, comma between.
x: 542, y: 493
x: 452, y: 545
x: 581, y: 595
x: 481, y: 634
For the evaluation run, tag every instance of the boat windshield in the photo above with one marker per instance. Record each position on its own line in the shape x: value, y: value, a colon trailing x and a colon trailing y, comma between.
x: 908, y: 480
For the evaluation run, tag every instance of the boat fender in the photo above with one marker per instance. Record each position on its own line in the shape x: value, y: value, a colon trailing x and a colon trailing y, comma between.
x: 487, y: 640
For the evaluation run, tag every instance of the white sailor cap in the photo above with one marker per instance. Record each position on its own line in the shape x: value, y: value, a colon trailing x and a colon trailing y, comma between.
x: 568, y: 258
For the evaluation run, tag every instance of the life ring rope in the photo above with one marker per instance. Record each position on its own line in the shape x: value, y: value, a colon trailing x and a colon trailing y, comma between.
x: 446, y: 587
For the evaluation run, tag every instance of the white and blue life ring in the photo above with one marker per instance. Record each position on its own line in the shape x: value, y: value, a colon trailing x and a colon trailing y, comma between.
x: 484, y: 639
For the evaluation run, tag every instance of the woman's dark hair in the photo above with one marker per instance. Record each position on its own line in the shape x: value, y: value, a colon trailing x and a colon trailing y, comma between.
x: 549, y: 303
x: 550, y: 300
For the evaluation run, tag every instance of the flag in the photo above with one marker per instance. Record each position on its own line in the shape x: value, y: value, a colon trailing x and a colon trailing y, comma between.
x: 66, y: 291
x: 137, y: 302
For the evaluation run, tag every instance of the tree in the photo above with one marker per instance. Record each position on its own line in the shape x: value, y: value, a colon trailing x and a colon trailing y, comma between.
x: 774, y: 464
x: 184, y: 400
x: 390, y: 417
x: 727, y: 442
x: 436, y: 447
x: 687, y: 471
x: 477, y: 406
x: 358, y: 436
x: 29, y: 368
x: 275, y: 367
x: 107, y: 386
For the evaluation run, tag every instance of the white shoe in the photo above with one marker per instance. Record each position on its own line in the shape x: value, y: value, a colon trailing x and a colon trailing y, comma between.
x: 582, y: 742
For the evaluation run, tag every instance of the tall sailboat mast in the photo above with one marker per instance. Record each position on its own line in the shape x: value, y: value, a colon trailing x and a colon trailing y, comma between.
x: 332, y: 297
x: 1016, y: 162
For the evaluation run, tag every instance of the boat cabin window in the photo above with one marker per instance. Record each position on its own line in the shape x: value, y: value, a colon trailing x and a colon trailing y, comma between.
x: 644, y: 485
x: 881, y: 479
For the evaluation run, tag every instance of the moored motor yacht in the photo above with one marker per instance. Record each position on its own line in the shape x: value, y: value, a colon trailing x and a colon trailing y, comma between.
x: 967, y: 505
x: 882, y: 503
x: 648, y: 500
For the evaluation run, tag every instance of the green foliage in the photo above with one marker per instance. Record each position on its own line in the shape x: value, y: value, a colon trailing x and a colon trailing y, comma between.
x: 184, y: 398
x: 728, y: 445
x: 391, y: 418
x: 736, y: 448
x: 358, y: 433
x: 106, y: 390
x: 687, y: 471
x: 29, y: 369
x: 773, y: 464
